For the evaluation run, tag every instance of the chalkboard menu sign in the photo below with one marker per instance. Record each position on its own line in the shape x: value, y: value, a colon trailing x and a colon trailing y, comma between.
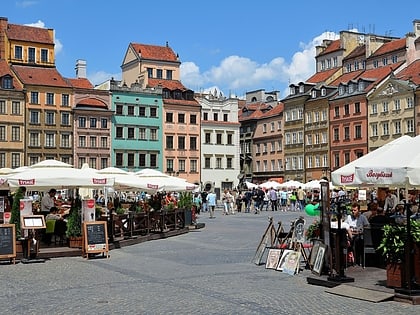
x: 95, y: 236
x: 7, y: 242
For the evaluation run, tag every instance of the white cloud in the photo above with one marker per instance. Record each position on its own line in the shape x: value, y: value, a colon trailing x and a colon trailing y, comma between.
x: 25, y: 4
x: 239, y: 74
x: 58, y: 45
x: 102, y: 76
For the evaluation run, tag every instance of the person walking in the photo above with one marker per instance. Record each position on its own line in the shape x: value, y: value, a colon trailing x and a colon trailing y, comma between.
x: 273, y: 198
x: 211, y: 203
x: 204, y: 201
x: 301, y: 198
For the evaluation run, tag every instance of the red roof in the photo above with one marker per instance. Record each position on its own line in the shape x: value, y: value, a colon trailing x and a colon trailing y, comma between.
x: 5, y: 70
x: 162, y: 53
x: 40, y: 76
x: 357, y: 52
x: 390, y: 47
x: 29, y: 34
x: 322, y: 76
x: 168, y: 84
x: 346, y: 77
x: 91, y: 102
x: 412, y: 72
x: 334, y: 46
x: 81, y: 83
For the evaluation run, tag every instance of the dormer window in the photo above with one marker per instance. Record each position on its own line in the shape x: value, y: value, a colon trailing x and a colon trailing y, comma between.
x: 292, y: 90
x: 313, y: 93
x: 323, y: 91
x: 301, y: 89
x: 7, y: 82
x: 341, y: 90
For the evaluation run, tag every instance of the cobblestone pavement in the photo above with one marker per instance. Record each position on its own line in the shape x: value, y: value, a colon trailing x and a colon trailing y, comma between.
x: 206, y: 271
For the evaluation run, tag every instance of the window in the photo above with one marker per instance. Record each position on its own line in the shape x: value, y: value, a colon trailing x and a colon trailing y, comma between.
x: 218, y: 138
x: 385, y: 107
x: 153, y: 160
x: 181, y: 118
x: 130, y: 159
x: 193, y: 143
x: 410, y: 102
x: 385, y: 129
x: 7, y: 82
x: 104, y: 142
x: 119, y: 159
x: 44, y: 55
x: 142, y: 133
x: 225, y: 117
x: 169, y: 117
x: 347, y: 158
x: 130, y: 133
x: 15, y: 108
x: 159, y: 74
x: 65, y: 140
x: 2, y: 133
x: 119, y: 132
x: 193, y: 119
x: 336, y: 111
x: 92, y: 141
x: 82, y: 141
x: 219, y: 162
x: 169, y: 165
x: 207, y: 138
x: 119, y: 110
x: 358, y: 131
x: 153, y: 134
x: 153, y: 112
x: 205, y: 116
x: 65, y: 100
x: 168, y: 74
x: 34, y: 139
x: 34, y: 98
x: 18, y: 52
x: 193, y: 166
x: 65, y: 119
x: 15, y: 133
x: 229, y: 138
x: 397, y: 104
x: 2, y: 107
x: 50, y: 118
x: 397, y: 127
x: 50, y: 140
x: 93, y: 122
x: 15, y: 160
x: 264, y: 128
x: 207, y: 162
x: 374, y: 108
x: 385, y: 61
x: 374, y: 130
x: 142, y: 160
x: 336, y: 134
x: 215, y: 117
x: 104, y: 163
x: 92, y: 162
x: 130, y: 110
x: 104, y: 123
x: 410, y: 125
x: 31, y: 54
x: 142, y: 111
x: 181, y: 142
x: 346, y: 109
x: 82, y: 122
x: 229, y: 163
x: 150, y: 72
x: 181, y: 165
x: 169, y: 142
x: 357, y: 107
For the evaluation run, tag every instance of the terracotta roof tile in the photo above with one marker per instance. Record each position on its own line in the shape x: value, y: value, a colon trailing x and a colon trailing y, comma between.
x: 411, y: 72
x: 275, y: 111
x: 168, y: 84
x: 4, y: 70
x: 180, y: 102
x: 359, y: 51
x: 322, y: 76
x: 386, y: 48
x: 40, y: 76
x: 29, y: 34
x: 81, y: 83
x: 92, y: 102
x: 334, y: 46
x: 346, y: 77
x: 162, y: 53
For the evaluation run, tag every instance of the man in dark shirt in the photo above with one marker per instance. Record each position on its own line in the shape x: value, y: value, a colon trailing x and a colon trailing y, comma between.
x: 377, y: 223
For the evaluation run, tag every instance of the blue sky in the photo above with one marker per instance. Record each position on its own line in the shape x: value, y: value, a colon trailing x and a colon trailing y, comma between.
x: 232, y: 46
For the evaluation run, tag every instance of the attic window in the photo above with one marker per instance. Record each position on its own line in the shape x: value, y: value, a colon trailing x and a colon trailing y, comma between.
x: 323, y: 92
x: 6, y: 83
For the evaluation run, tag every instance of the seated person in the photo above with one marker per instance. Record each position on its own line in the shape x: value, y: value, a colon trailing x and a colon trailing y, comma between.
x: 60, y: 225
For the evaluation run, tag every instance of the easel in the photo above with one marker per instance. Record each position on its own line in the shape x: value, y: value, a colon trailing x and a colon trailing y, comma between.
x: 294, y: 239
x: 268, y: 240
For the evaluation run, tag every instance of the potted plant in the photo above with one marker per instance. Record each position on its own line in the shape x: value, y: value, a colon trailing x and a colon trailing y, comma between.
x: 74, y: 227
x: 392, y: 247
x: 313, y: 231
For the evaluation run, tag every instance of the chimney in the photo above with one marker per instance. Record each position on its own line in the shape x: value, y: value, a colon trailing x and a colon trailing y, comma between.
x: 80, y: 69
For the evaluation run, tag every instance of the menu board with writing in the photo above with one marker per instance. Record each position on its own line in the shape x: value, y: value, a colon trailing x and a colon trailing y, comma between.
x: 95, y: 236
x: 7, y: 241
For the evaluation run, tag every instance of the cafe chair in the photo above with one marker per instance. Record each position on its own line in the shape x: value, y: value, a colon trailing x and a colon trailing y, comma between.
x: 369, y: 247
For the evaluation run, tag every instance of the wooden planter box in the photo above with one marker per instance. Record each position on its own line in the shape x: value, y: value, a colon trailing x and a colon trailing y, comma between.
x: 394, y: 275
x: 75, y: 242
